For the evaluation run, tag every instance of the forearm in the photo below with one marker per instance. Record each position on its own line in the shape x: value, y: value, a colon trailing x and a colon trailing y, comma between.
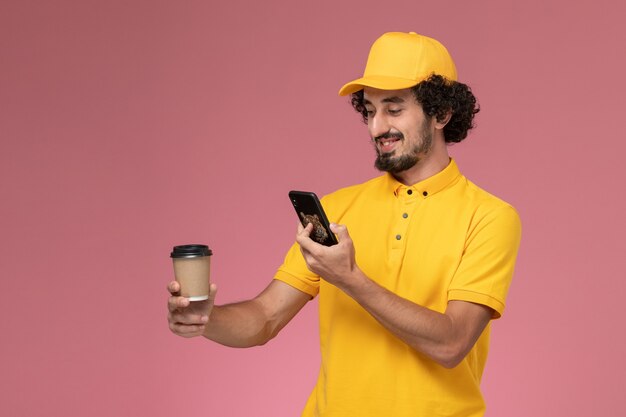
x: 432, y: 333
x: 257, y: 321
x: 444, y: 337
x: 241, y: 325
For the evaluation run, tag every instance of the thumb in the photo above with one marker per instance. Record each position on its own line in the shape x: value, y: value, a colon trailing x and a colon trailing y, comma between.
x: 340, y: 230
x: 212, y: 293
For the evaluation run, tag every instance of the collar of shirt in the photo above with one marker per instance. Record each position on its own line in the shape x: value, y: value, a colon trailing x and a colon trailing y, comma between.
x: 428, y: 187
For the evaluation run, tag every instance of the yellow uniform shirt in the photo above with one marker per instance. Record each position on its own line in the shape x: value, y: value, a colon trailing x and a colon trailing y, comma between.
x: 439, y: 240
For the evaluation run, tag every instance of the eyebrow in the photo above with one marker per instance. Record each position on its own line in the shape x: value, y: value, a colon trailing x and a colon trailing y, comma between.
x: 392, y: 99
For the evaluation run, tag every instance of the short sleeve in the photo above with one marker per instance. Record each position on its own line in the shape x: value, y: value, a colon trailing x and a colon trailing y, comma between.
x: 486, y: 269
x: 294, y: 272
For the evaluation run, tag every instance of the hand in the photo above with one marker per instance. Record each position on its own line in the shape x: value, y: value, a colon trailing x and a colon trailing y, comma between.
x: 188, y: 318
x: 336, y: 264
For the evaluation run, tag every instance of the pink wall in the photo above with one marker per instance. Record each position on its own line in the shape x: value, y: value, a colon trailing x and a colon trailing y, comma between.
x: 127, y: 127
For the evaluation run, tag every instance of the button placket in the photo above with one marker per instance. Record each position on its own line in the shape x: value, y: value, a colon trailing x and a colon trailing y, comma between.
x: 408, y: 199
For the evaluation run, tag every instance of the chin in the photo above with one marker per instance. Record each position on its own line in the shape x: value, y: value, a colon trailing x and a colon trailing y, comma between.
x: 395, y: 165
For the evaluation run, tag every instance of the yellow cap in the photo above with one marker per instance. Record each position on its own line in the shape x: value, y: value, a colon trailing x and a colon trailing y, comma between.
x: 400, y: 60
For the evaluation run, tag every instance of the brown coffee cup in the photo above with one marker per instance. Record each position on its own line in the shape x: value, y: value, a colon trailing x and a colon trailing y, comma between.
x: 192, y: 269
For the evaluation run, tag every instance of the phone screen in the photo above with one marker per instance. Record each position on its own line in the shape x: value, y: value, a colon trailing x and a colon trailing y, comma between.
x: 309, y: 210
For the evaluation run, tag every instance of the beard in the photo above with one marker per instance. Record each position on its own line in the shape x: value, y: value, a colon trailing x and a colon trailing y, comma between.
x: 387, y: 162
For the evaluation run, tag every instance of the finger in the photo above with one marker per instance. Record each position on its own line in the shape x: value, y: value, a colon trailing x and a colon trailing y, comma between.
x: 174, y: 303
x: 212, y: 293
x: 304, y: 232
x: 186, y: 330
x: 303, y: 237
x: 174, y: 288
x: 340, y: 230
x: 187, y: 318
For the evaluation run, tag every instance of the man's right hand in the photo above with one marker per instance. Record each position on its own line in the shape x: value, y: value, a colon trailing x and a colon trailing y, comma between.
x: 188, y: 318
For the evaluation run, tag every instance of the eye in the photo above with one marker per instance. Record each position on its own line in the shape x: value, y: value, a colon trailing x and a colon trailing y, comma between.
x: 394, y: 112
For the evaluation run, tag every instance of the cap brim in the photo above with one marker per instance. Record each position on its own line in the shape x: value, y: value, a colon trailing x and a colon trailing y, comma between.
x: 381, y: 83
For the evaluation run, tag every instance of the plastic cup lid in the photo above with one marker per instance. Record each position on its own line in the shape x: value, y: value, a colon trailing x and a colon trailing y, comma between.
x: 191, y: 251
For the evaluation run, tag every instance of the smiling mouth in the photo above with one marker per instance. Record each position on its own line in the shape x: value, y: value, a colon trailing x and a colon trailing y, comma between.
x: 386, y: 145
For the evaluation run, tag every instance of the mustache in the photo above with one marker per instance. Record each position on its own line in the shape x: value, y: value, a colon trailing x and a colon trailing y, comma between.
x: 389, y: 135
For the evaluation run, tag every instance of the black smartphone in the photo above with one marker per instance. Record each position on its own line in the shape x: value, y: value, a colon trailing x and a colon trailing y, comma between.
x: 309, y: 210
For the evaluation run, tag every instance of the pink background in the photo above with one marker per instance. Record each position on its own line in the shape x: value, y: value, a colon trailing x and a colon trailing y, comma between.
x: 128, y: 127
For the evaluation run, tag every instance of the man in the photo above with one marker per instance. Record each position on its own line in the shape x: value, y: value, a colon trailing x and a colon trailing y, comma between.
x: 424, y: 259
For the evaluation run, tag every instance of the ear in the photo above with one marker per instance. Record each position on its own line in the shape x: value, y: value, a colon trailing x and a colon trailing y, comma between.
x: 441, y: 123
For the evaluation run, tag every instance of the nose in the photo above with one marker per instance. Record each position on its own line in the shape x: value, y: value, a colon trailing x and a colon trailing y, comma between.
x: 377, y: 124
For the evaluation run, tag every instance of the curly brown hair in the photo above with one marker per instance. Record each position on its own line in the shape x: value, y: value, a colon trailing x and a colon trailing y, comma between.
x: 438, y: 96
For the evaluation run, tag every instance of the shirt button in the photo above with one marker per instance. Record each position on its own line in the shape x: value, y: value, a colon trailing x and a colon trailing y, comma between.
x: 405, y: 215
x: 409, y: 192
x: 398, y: 237
x: 425, y: 193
